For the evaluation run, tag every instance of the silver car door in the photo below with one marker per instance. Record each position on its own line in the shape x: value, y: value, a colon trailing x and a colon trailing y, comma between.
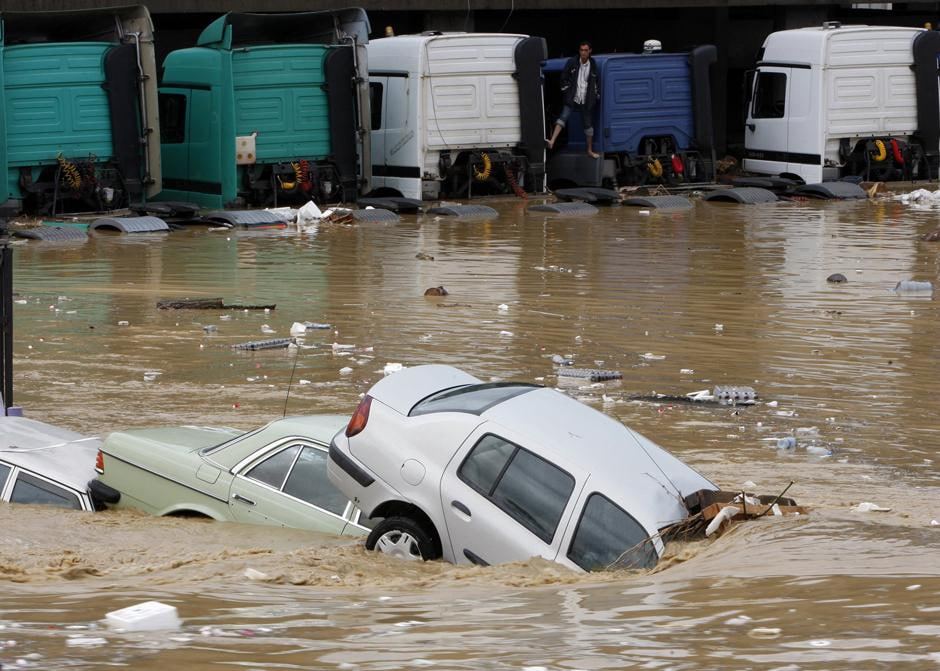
x: 502, y: 501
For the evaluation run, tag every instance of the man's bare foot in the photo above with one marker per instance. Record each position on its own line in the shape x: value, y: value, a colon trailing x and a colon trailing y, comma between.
x: 594, y: 154
x: 549, y: 143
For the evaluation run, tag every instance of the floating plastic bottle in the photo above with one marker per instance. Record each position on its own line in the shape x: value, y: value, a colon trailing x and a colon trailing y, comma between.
x: 913, y: 287
x: 786, y: 443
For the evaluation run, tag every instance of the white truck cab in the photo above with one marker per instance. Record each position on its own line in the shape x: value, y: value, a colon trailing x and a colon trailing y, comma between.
x: 836, y: 100
x: 457, y: 114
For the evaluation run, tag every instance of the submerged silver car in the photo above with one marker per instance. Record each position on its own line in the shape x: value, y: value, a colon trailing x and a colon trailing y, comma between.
x: 487, y: 473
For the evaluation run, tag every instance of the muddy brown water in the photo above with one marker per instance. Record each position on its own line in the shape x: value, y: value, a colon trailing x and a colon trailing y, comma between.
x: 735, y: 294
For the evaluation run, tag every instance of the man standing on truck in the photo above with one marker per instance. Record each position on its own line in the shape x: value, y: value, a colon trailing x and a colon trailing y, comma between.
x: 580, y: 90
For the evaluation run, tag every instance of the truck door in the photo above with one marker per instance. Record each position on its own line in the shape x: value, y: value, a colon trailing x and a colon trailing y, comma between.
x: 205, y: 166
x: 398, y: 132
x: 174, y: 107
x: 377, y: 86
x: 767, y: 138
x: 804, y: 137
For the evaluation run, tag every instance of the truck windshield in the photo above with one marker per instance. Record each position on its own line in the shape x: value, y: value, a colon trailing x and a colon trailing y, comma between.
x: 473, y: 398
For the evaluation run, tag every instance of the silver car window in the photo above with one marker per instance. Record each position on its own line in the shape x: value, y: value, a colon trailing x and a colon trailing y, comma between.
x: 30, y: 489
x: 273, y: 470
x: 529, y: 489
x: 308, y: 482
x: 484, y: 464
x: 4, y: 472
x: 472, y: 398
x: 608, y: 536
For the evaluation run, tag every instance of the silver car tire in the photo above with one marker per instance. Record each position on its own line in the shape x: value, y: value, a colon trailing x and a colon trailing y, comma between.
x: 403, y: 538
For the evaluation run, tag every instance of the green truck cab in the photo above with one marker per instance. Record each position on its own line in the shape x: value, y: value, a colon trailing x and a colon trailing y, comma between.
x: 78, y: 116
x: 268, y: 109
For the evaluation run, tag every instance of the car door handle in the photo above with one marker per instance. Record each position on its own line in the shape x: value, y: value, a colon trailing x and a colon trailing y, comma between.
x: 239, y: 497
x: 457, y: 505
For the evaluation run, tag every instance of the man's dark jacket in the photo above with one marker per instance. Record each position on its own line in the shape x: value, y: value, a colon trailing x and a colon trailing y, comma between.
x: 569, y: 82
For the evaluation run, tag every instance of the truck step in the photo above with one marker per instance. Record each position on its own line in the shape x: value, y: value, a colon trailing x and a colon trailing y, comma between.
x: 130, y: 224
x: 660, y: 202
x: 746, y: 195
x: 567, y: 209
x: 465, y: 211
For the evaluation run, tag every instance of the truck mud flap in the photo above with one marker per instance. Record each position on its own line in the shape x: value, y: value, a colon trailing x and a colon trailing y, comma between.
x: 465, y: 211
x: 53, y: 233
x: 579, y: 209
x: 130, y: 224
x: 589, y: 194
x: 376, y: 215
x: 660, y: 202
x: 746, y: 195
x: 340, y: 74
x: 121, y: 84
x: 925, y: 49
x: 528, y: 56
x: 394, y: 203
x: 247, y: 218
x: 701, y: 60
x: 770, y: 182
x: 831, y: 191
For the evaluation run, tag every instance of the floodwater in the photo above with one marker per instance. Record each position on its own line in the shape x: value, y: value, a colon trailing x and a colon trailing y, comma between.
x: 677, y: 302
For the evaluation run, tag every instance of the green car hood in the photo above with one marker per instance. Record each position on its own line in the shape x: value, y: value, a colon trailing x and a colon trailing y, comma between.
x: 180, y: 439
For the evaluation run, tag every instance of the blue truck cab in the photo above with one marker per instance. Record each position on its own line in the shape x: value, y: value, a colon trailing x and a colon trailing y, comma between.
x: 652, y: 124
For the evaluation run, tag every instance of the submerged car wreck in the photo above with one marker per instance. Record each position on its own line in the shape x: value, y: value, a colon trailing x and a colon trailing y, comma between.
x: 487, y: 473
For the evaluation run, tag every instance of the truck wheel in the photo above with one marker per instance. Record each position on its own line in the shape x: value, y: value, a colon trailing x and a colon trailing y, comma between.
x: 403, y: 538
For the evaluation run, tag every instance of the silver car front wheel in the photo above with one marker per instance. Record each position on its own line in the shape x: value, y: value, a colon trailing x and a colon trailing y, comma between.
x: 404, y: 538
x: 399, y: 544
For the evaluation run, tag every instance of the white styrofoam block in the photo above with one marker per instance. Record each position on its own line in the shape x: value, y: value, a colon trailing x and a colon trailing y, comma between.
x: 147, y: 616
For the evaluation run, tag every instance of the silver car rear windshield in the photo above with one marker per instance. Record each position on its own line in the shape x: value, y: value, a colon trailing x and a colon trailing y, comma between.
x: 472, y: 398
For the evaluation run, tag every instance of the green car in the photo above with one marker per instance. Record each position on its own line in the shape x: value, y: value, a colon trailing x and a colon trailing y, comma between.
x: 273, y: 475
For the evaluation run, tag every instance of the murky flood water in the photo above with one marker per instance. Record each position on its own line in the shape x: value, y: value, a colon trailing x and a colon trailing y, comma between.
x: 677, y: 302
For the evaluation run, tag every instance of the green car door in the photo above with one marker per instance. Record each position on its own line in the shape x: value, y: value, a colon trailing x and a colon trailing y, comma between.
x: 288, y: 486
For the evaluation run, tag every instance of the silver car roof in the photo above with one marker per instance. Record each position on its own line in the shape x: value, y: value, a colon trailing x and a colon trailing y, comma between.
x: 59, y: 454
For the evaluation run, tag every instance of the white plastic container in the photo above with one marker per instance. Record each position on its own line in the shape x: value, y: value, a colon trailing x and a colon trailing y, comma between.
x: 147, y: 616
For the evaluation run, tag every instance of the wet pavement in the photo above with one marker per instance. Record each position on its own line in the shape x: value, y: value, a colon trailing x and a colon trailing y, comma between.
x: 680, y: 302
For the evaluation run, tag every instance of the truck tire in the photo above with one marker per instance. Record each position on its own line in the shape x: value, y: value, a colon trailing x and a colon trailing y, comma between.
x: 402, y: 537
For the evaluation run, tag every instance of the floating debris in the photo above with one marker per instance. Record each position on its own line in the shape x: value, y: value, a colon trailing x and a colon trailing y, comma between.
x: 274, y: 343
x: 592, y: 374
x: 436, y: 291
x: 206, y: 304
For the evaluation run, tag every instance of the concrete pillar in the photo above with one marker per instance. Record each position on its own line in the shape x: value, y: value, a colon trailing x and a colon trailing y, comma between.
x: 720, y: 81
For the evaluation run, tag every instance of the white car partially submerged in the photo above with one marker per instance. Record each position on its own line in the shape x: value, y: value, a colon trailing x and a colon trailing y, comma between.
x: 486, y: 473
x: 42, y: 463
